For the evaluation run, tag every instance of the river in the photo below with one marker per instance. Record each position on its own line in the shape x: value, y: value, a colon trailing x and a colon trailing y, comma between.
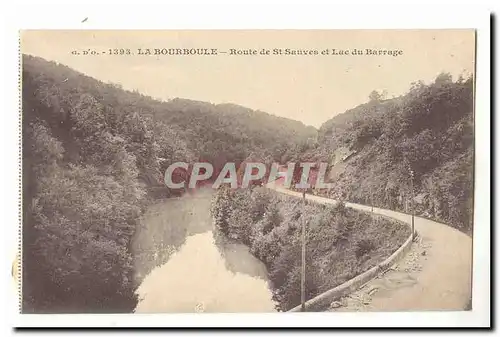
x: 180, y: 267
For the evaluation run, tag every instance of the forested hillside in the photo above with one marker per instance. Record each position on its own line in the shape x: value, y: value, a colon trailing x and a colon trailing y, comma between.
x: 429, y: 131
x: 93, y: 154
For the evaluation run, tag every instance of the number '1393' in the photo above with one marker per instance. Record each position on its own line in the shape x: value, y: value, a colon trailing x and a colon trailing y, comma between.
x: 120, y: 51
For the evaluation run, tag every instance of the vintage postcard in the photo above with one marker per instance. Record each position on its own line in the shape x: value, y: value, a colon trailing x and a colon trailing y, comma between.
x: 238, y: 171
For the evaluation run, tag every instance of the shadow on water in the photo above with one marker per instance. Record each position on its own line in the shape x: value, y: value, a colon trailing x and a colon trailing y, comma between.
x: 250, y: 265
x: 165, y: 227
x: 181, y: 267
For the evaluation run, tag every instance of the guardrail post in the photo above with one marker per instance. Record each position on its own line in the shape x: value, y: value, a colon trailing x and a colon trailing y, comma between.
x: 412, y: 207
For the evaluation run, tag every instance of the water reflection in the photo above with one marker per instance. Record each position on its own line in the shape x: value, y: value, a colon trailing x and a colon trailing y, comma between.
x: 199, y: 275
x: 196, y: 278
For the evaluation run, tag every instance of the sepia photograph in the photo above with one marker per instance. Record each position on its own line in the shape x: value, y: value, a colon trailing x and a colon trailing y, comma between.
x: 247, y: 171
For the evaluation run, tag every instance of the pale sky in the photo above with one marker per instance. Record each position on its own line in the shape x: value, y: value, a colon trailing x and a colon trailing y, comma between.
x: 311, y: 89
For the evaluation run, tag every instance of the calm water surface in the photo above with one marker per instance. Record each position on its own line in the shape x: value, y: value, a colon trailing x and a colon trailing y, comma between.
x: 180, y: 267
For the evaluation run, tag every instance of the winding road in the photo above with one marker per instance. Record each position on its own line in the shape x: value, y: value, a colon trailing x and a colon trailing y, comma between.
x: 434, y: 275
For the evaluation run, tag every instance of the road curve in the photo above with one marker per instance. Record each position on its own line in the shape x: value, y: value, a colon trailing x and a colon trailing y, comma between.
x: 434, y: 275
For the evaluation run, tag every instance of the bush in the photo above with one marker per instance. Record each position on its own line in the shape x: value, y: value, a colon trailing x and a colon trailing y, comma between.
x: 363, y: 247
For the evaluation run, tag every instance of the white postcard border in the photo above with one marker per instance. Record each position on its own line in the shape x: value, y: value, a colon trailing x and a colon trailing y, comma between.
x: 273, y: 16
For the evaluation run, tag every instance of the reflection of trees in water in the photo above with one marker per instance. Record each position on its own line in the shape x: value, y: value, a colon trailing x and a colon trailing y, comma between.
x: 165, y: 227
x: 238, y: 258
x: 171, y: 227
x: 197, y: 278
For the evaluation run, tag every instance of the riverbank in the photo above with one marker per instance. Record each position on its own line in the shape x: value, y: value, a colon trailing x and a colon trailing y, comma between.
x: 341, y: 242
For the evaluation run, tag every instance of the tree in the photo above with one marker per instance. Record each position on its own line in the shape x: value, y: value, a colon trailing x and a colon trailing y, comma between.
x: 272, y: 218
x: 222, y: 208
x: 375, y: 96
x: 443, y: 78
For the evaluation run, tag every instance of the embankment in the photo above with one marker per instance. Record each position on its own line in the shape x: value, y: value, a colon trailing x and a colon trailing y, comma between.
x: 341, y: 242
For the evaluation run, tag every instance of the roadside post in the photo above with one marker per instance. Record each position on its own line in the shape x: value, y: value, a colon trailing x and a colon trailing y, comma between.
x: 412, y: 206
